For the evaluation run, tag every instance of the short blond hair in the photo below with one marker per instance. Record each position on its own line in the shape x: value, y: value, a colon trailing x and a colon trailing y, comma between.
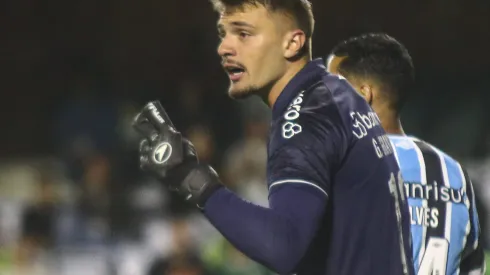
x: 299, y: 10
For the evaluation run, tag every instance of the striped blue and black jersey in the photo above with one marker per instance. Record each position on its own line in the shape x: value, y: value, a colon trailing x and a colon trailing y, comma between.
x: 444, y: 221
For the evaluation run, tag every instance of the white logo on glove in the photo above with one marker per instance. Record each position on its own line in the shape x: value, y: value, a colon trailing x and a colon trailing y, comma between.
x: 162, y: 153
x: 156, y: 113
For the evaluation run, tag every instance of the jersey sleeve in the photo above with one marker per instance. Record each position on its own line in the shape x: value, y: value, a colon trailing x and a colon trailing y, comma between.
x: 473, y: 258
x: 474, y: 263
x: 308, y: 144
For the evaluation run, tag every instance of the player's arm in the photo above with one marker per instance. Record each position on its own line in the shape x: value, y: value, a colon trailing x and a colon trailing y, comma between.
x: 473, y: 259
x: 276, y: 237
x: 300, y: 172
x: 299, y: 176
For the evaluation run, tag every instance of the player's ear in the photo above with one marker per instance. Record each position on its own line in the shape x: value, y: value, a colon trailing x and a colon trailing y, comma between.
x: 294, y: 42
x: 367, y: 92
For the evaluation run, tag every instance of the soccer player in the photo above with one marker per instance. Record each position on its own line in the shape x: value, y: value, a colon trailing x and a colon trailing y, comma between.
x: 445, y: 229
x: 336, y: 203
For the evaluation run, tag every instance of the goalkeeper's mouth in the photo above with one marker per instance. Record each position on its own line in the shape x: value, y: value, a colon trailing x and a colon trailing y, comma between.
x: 234, y: 72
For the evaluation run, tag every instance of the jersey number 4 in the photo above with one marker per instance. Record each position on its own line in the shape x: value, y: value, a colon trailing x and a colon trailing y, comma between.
x: 434, y: 261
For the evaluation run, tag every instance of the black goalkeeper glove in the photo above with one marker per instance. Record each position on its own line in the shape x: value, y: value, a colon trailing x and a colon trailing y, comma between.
x: 171, y: 158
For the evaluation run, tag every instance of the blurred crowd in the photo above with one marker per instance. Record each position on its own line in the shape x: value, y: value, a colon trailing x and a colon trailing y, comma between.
x: 72, y: 198
x: 87, y: 209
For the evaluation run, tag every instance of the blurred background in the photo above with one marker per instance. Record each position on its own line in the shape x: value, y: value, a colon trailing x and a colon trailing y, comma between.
x: 73, y: 74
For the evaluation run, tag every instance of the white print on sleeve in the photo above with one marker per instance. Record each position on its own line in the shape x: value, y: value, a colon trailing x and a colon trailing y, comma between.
x: 290, y: 127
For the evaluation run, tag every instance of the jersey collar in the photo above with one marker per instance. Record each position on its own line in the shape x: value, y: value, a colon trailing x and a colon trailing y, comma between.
x: 302, y: 80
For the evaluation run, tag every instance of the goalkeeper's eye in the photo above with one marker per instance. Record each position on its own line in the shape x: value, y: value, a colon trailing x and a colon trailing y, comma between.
x: 244, y: 34
x: 221, y: 34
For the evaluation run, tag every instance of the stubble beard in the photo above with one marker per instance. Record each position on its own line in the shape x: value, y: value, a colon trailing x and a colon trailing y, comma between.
x: 243, y: 93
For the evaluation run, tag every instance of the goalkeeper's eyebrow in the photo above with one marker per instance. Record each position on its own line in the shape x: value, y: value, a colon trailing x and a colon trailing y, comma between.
x: 237, y: 24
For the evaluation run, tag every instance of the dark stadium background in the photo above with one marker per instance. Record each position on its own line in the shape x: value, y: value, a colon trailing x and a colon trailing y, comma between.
x: 74, y: 72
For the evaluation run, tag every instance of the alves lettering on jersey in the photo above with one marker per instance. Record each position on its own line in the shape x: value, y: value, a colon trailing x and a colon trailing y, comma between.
x: 425, y: 216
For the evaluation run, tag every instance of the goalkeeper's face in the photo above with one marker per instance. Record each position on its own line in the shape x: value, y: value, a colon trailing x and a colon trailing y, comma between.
x: 252, y: 49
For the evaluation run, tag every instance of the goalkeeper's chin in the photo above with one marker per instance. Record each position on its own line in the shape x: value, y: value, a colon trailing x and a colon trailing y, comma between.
x: 240, y: 90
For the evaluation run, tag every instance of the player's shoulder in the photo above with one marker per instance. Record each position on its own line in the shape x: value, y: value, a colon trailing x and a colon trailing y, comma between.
x: 319, y: 106
x: 310, y: 118
x: 356, y: 114
x: 315, y: 92
x: 344, y: 95
x: 428, y: 147
x: 312, y: 109
x: 330, y: 98
x: 451, y: 164
x: 409, y: 142
x: 335, y: 92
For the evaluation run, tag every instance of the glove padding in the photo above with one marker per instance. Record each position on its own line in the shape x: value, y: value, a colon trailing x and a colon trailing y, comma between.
x: 171, y: 158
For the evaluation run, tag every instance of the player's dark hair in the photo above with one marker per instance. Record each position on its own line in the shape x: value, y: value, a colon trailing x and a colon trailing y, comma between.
x: 299, y: 10
x: 381, y: 57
